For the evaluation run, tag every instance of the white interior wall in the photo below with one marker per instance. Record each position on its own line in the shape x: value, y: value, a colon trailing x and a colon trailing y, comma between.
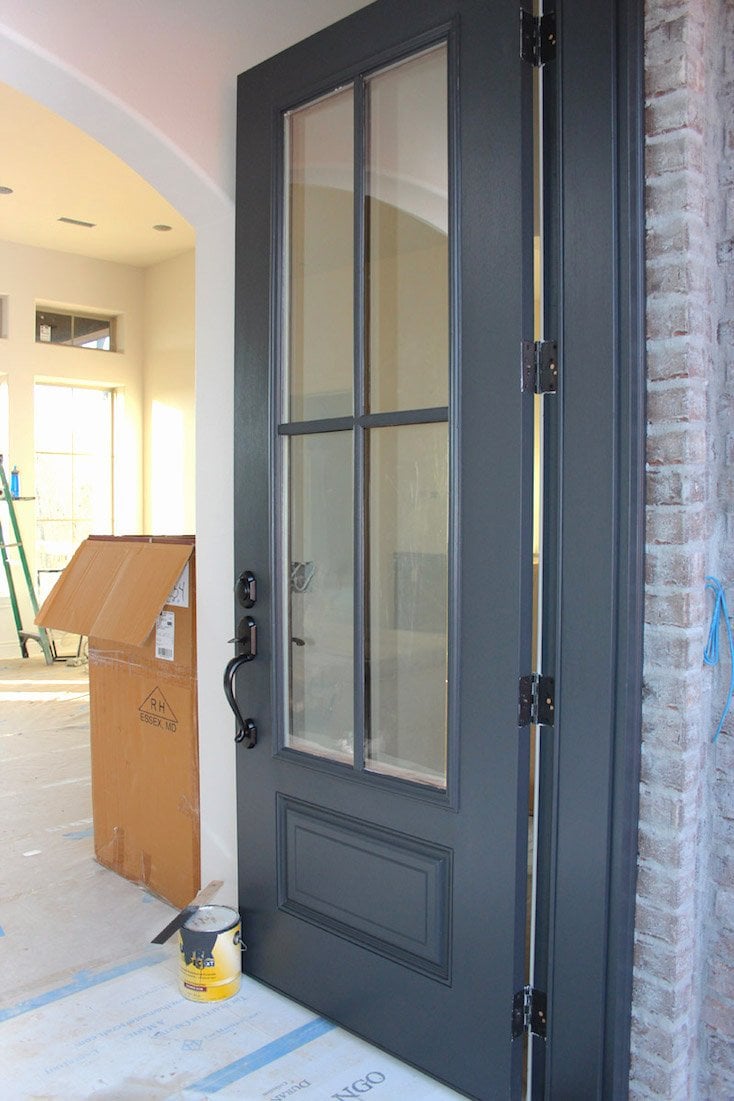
x: 30, y: 275
x: 168, y: 378
x: 157, y: 85
x: 153, y: 373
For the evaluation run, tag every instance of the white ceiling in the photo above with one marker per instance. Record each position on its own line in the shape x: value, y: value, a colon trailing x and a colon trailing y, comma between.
x: 55, y: 171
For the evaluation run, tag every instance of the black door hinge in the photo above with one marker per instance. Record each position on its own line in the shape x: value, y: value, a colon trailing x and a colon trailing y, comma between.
x: 536, y: 700
x: 539, y: 366
x: 529, y: 1013
x: 537, y: 37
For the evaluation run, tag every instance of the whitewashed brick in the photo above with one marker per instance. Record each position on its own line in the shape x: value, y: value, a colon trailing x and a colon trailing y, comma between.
x: 683, y: 1002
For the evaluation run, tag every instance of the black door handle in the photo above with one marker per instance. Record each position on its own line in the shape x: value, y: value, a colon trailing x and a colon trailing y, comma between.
x: 246, y: 638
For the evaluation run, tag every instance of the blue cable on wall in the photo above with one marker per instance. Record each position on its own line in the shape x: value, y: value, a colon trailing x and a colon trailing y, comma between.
x: 711, y: 649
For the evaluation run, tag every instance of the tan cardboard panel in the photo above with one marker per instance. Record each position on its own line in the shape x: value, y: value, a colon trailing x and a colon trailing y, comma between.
x: 77, y: 597
x: 113, y: 589
x: 139, y: 591
x: 145, y: 776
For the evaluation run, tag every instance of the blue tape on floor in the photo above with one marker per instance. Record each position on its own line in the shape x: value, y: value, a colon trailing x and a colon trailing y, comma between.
x: 83, y: 980
x: 271, y: 1052
x: 2, y: 931
x: 77, y: 835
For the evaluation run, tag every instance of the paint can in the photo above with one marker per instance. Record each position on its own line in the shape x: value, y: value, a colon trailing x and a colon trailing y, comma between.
x: 211, y: 949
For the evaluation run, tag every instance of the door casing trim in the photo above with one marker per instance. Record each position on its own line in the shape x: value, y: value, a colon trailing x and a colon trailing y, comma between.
x: 593, y: 549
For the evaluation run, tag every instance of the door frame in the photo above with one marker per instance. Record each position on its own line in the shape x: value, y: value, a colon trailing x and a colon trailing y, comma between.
x: 594, y: 304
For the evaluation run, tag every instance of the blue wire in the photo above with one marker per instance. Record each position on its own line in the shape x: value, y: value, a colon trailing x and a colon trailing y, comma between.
x: 711, y: 650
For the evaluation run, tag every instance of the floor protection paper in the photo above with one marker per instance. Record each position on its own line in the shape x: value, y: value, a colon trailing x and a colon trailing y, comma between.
x: 127, y: 1034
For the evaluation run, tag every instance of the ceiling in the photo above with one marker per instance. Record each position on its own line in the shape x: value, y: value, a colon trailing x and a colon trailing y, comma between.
x: 57, y: 171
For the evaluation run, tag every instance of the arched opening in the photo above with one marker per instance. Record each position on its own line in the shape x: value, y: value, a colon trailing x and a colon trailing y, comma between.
x: 201, y: 202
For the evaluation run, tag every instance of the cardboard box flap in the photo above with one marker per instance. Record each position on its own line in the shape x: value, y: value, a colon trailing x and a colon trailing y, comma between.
x: 114, y: 589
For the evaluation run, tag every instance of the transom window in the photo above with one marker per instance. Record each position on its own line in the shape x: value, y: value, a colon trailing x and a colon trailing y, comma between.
x: 75, y: 330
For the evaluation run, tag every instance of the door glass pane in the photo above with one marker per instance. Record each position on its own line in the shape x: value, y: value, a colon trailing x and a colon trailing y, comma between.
x: 408, y: 601
x: 320, y: 602
x: 407, y: 235
x: 319, y: 258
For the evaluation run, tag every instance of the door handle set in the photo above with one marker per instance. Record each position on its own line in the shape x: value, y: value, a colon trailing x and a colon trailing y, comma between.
x: 246, y: 640
x: 246, y: 589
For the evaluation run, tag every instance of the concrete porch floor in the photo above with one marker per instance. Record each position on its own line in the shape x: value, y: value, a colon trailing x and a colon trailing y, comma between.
x: 88, y: 1007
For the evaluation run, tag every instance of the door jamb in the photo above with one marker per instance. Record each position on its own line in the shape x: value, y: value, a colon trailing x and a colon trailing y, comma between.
x: 593, y: 129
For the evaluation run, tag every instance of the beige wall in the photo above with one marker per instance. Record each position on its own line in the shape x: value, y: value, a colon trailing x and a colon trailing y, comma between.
x: 152, y: 373
x: 168, y: 395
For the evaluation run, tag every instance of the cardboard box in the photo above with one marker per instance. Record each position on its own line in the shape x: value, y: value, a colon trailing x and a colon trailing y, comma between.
x: 142, y: 683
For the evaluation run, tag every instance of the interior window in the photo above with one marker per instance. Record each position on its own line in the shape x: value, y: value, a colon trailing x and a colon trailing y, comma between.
x: 75, y: 330
x: 73, y: 434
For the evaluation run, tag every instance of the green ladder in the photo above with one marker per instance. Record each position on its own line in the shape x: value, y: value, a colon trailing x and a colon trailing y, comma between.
x: 40, y: 635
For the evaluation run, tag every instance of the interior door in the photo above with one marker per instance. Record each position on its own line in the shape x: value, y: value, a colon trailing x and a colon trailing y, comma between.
x: 383, y: 500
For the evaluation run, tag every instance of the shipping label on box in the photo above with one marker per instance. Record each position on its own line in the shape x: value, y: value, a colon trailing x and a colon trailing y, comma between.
x: 165, y: 629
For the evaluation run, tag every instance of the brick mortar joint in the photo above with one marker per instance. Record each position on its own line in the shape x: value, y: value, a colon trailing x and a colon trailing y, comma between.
x: 685, y: 129
x: 659, y: 680
x: 672, y: 1029
x: 695, y: 383
x: 691, y: 631
x: 678, y: 986
x: 684, y: 470
x: 695, y: 429
x: 672, y: 1067
x: 652, y: 831
x: 680, y: 258
x: 693, y: 342
x: 642, y: 1057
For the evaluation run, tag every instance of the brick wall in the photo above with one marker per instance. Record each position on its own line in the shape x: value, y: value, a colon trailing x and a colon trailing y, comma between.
x: 683, y: 999
x: 716, y: 1070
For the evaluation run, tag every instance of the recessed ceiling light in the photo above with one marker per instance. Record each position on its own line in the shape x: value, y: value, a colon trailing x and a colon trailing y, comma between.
x: 6, y: 191
x: 78, y: 222
x: 162, y: 228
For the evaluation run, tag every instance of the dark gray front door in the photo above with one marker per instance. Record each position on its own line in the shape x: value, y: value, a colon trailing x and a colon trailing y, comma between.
x: 383, y: 470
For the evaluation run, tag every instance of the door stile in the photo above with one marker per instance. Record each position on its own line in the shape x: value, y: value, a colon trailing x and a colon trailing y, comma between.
x: 526, y: 656
x: 455, y: 420
x: 277, y: 462
x: 547, y: 289
x: 361, y: 550
x: 533, y: 657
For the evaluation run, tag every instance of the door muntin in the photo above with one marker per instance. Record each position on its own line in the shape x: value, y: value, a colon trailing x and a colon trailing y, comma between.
x: 364, y: 507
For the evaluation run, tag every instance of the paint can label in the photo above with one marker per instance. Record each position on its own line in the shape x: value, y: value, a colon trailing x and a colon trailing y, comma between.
x: 210, y: 954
